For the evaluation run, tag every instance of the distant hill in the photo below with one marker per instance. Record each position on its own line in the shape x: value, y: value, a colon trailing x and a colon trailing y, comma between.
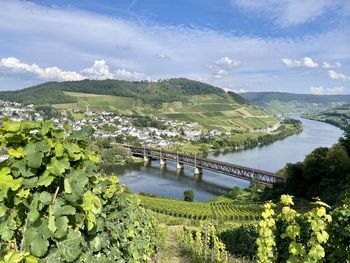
x: 178, y: 99
x: 282, y: 102
x: 149, y: 92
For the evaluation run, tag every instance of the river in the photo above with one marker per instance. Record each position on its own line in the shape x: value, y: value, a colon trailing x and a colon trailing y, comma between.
x: 167, y: 181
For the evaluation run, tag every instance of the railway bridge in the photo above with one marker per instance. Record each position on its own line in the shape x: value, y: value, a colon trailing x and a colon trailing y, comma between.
x: 199, y: 163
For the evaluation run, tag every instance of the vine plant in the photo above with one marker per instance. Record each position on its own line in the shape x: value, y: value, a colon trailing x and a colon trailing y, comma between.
x: 313, y: 250
x: 56, y: 207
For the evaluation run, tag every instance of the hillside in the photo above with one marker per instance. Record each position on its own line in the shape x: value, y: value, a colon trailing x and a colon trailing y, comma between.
x: 337, y: 116
x: 178, y: 99
x: 282, y: 102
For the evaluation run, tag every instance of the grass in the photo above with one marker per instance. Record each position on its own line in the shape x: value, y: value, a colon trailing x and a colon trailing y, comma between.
x: 211, y: 111
x: 172, y: 253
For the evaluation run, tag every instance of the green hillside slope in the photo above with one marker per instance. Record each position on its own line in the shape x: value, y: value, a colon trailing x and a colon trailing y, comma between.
x: 178, y: 99
x: 281, y: 102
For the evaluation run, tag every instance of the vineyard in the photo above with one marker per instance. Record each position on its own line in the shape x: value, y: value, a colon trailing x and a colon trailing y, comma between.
x: 201, y: 211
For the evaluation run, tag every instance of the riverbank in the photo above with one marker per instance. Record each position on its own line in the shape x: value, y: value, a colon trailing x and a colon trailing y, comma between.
x: 239, y: 141
x: 337, y: 121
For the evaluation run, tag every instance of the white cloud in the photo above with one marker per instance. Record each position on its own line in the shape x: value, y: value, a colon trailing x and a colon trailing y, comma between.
x: 124, y: 74
x: 329, y: 65
x: 228, y: 62
x: 62, y: 37
x: 305, y: 62
x: 320, y: 90
x: 220, y: 73
x: 286, y: 13
x: 15, y: 65
x: 338, y: 76
x: 100, y: 70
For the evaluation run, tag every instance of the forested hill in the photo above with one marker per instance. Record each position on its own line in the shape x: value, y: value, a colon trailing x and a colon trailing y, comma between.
x: 262, y: 98
x: 282, y: 102
x: 153, y: 93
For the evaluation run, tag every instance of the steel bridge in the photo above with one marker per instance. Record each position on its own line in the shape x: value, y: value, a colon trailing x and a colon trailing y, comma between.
x: 199, y: 164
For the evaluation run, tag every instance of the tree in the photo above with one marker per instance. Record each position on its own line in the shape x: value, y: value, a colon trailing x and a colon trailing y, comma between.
x: 189, y: 195
x: 345, y: 140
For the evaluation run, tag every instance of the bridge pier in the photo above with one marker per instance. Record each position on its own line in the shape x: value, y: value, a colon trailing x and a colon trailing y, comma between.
x: 162, y: 162
x: 198, y: 170
x: 179, y: 165
x: 146, y: 158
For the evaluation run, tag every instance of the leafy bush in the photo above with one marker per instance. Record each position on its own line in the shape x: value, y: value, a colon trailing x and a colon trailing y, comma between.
x: 338, y: 248
x: 240, y: 241
x: 188, y: 195
x: 56, y: 207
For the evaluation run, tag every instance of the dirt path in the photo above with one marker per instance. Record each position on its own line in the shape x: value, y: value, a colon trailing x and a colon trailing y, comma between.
x: 172, y: 252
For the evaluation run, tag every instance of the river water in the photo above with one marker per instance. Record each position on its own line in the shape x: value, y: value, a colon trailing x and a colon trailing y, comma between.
x: 167, y: 181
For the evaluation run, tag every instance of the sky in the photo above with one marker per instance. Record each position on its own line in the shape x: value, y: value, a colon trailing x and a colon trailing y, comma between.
x: 299, y: 46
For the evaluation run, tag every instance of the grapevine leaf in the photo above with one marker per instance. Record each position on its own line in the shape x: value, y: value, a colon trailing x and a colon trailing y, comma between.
x: 17, y: 153
x: 65, y: 210
x: 67, y: 187
x: 59, y: 149
x: 7, y: 182
x: 62, y: 227
x: 30, y: 148
x: 45, y: 179
x: 52, y: 224
x: 287, y: 200
x: 13, y: 257
x: 33, y: 215
x: 7, y: 228
x: 3, y: 209
x: 74, y: 151
x: 57, y: 167
x: 36, y: 237
x: 46, y: 127
x: 11, y: 126
x: 31, y: 259
x: 44, y: 198
x: 29, y: 125
x: 19, y: 168
x: 43, y: 146
x: 34, y: 160
x: 71, y: 247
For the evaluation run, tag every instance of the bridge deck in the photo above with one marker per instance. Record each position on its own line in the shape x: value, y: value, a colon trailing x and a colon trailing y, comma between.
x: 229, y: 169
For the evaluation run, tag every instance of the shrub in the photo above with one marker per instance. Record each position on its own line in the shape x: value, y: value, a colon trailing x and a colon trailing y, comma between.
x: 188, y: 195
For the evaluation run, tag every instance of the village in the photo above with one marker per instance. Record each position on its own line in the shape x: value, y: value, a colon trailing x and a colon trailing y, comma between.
x: 110, y: 125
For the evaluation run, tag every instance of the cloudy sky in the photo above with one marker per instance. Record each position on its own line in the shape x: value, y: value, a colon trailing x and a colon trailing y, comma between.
x: 300, y: 46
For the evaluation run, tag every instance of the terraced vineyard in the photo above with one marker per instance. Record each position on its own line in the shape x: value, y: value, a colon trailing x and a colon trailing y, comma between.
x: 196, y: 210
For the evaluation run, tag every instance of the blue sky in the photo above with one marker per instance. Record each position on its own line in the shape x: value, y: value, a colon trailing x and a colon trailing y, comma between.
x: 241, y: 45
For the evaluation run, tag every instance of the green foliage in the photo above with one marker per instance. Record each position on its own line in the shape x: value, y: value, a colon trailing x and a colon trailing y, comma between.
x: 304, y: 244
x: 325, y: 173
x: 153, y: 93
x: 146, y: 121
x: 47, y: 111
x: 54, y: 204
x: 203, y: 244
x: 241, y: 241
x: 266, y: 240
x: 338, y: 247
x: 188, y: 195
x: 262, y: 98
x: 196, y: 210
